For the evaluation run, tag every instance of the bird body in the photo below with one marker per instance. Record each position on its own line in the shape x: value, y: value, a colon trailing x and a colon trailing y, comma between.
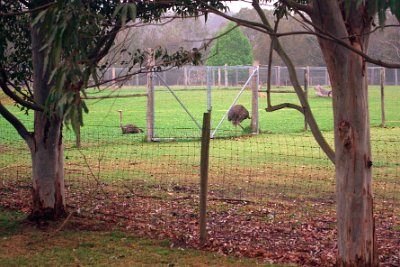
x: 237, y: 114
x: 129, y: 128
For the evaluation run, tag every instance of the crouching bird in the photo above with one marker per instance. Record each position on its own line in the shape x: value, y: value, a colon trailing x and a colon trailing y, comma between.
x: 129, y: 128
x: 237, y: 114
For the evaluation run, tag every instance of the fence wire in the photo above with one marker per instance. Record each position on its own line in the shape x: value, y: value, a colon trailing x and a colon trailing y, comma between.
x: 227, y: 76
x: 287, y: 166
x: 257, y: 184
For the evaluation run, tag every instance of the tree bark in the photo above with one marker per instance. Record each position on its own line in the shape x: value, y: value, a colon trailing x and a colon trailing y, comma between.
x: 47, y: 169
x: 47, y: 148
x: 347, y: 70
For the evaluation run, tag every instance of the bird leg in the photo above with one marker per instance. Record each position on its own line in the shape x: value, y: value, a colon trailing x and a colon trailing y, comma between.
x: 241, y: 126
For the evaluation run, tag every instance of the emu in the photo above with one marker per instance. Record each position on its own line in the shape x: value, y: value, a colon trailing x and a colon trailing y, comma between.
x: 237, y: 114
x: 129, y: 128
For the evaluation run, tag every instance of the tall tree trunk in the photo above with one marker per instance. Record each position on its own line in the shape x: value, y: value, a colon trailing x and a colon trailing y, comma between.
x: 47, y: 147
x: 47, y: 169
x: 348, y: 75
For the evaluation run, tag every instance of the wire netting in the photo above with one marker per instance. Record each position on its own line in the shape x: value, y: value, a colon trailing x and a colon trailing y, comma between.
x: 249, y: 167
x: 259, y: 185
x: 225, y: 76
x: 267, y: 178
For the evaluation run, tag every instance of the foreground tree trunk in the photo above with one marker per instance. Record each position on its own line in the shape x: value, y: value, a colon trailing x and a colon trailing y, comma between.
x: 47, y: 169
x: 348, y: 75
x: 46, y: 145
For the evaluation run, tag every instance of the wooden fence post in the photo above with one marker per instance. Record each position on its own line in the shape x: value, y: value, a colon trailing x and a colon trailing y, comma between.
x: 78, y: 136
x: 219, y: 77
x: 306, y: 75
x: 113, y: 76
x: 185, y: 77
x: 213, y: 76
x: 150, y: 96
x: 226, y: 75
x: 327, y: 81
x: 209, y: 86
x: 382, y: 97
x: 236, y: 76
x: 205, y: 148
x: 254, y: 101
x: 278, y: 76
x: 78, y: 127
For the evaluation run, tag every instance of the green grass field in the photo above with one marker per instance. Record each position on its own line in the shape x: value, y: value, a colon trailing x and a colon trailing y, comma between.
x: 282, y: 158
x: 282, y: 170
x: 169, y: 115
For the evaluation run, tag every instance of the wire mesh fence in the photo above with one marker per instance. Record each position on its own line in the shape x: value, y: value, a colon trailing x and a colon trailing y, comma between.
x: 256, y: 183
x: 259, y: 185
x: 233, y: 76
x: 241, y: 167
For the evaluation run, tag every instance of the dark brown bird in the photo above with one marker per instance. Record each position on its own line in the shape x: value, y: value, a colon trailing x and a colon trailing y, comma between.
x: 237, y: 114
x: 129, y: 128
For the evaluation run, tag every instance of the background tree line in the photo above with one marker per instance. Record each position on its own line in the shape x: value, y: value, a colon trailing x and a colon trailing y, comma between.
x: 172, y: 34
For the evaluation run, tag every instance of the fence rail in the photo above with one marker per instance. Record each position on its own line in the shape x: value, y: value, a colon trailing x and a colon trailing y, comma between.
x: 227, y: 76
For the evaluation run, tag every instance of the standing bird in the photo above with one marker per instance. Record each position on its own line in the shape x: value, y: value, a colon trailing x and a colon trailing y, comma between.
x: 129, y: 128
x: 237, y: 114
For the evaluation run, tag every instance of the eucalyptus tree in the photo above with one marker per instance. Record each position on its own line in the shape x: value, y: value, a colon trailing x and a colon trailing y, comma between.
x: 342, y: 28
x: 49, y: 50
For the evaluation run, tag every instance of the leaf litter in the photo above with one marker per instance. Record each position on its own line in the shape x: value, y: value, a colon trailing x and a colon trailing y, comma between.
x: 276, y: 232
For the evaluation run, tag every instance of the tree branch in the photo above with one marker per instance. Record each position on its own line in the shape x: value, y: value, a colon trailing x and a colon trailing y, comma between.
x: 296, y: 85
x: 21, y: 129
x: 305, y: 8
x: 39, y: 8
x: 322, y: 34
x: 327, y: 36
x: 15, y: 97
x: 103, y: 46
x: 285, y: 105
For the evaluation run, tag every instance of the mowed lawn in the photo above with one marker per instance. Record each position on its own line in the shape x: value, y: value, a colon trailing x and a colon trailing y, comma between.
x: 281, y: 155
x: 282, y: 162
x: 170, y: 116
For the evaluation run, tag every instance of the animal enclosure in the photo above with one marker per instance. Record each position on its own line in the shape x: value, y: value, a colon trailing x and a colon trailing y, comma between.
x: 188, y: 92
x: 257, y: 184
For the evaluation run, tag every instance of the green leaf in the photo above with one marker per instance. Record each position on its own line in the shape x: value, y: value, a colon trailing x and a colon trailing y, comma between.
x: 132, y: 11
x: 85, y: 108
x: 39, y: 17
x: 124, y: 13
x: 116, y: 11
x: 395, y: 8
x: 347, y: 6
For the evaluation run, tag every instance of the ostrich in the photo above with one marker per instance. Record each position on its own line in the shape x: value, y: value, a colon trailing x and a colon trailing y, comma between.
x: 129, y: 128
x: 237, y: 114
